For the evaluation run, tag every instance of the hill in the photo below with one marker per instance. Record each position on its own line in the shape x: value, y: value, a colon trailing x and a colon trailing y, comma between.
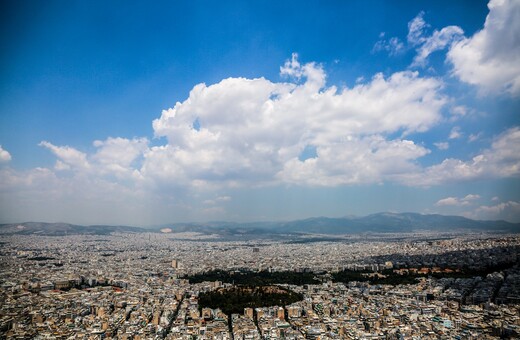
x: 375, y: 223
x: 62, y: 229
x: 397, y: 223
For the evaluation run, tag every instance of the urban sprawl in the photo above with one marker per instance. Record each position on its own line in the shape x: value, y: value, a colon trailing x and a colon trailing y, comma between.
x: 136, y: 286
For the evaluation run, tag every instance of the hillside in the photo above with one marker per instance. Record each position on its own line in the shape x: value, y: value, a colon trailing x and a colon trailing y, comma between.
x: 376, y: 223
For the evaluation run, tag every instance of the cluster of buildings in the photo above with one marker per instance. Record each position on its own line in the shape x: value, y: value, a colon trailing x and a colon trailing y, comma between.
x: 131, y: 286
x: 364, y: 311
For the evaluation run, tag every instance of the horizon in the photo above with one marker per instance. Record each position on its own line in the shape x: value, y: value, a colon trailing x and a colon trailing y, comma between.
x: 209, y: 222
x: 154, y: 114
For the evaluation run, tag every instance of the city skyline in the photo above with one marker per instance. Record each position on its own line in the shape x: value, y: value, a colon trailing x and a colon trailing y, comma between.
x: 142, y: 115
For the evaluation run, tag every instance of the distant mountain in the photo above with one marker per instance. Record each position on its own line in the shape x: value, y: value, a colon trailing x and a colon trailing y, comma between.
x: 62, y: 229
x: 376, y: 223
x: 392, y: 222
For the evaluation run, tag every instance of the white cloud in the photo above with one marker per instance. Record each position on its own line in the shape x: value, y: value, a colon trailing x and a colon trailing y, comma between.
x: 500, y: 160
x: 509, y: 211
x: 292, y: 68
x: 253, y: 130
x: 116, y: 155
x: 61, y: 166
x: 419, y: 39
x: 455, y: 133
x: 442, y: 145
x: 68, y: 157
x: 357, y: 160
x: 416, y: 29
x: 459, y: 110
x: 393, y: 46
x: 450, y: 201
x: 5, y: 156
x: 439, y: 40
x: 455, y: 201
x: 490, y: 59
x: 426, y: 45
x: 471, y: 197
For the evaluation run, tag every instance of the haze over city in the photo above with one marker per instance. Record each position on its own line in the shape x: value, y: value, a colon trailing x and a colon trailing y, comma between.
x: 149, y: 113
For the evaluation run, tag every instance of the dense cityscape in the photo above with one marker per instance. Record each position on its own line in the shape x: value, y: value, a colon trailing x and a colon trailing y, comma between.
x: 143, y: 286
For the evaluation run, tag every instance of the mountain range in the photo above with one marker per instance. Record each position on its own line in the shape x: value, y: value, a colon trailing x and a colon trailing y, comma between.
x: 376, y: 223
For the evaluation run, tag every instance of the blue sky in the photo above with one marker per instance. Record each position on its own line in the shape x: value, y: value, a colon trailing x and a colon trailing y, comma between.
x: 302, y: 109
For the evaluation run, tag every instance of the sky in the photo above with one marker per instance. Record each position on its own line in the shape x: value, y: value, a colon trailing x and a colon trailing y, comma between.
x: 148, y: 113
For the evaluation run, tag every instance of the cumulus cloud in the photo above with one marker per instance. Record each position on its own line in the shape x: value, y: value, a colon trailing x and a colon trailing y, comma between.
x: 116, y: 155
x: 500, y: 160
x: 455, y: 133
x: 255, y: 132
x: 67, y: 157
x: 490, y: 59
x: 292, y: 68
x: 255, y: 129
x: 358, y: 160
x: 448, y: 201
x: 459, y: 110
x: 442, y: 145
x: 5, y: 156
x: 455, y: 201
x: 509, y: 211
x: 471, y: 197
